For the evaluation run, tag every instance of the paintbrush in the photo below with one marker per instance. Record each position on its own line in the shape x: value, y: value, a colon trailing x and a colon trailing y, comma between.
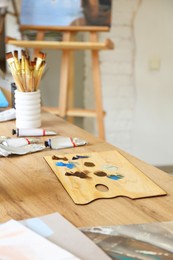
x: 16, y: 59
x: 32, y: 66
x: 40, y: 73
x: 14, y: 70
x: 11, y: 61
x: 41, y: 57
x: 17, y: 65
x: 28, y: 75
x: 23, y: 72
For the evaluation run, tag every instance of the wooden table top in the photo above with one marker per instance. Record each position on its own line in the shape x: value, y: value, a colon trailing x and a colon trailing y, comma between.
x: 29, y: 188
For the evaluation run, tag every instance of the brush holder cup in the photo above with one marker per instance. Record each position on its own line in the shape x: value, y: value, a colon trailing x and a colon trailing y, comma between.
x: 28, y: 109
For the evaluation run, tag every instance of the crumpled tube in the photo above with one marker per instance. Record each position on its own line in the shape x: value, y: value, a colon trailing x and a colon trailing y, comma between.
x: 3, y: 138
x: 30, y: 148
x: 6, y: 115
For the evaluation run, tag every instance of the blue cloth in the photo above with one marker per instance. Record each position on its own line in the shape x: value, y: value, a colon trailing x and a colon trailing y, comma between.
x: 3, y: 101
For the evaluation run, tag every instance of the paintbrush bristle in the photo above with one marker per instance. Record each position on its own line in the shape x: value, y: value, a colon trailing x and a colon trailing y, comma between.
x: 23, y: 54
x: 16, y: 54
x: 41, y: 55
x: 33, y: 62
x: 9, y: 55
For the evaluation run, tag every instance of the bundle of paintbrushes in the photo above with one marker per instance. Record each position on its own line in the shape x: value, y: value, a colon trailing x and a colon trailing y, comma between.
x: 26, y: 73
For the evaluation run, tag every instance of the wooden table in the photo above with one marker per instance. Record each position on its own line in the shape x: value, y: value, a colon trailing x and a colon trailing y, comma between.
x: 29, y: 188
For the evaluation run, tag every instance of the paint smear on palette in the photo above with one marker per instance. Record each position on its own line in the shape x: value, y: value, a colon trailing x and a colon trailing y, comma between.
x: 115, y: 177
x: 112, y: 176
x: 68, y: 165
x: 75, y: 163
x: 100, y: 174
x: 80, y: 157
x: 89, y: 164
x: 82, y: 175
x: 110, y: 167
x: 54, y: 157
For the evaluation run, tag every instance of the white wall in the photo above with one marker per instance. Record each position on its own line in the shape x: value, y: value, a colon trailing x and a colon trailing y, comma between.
x: 153, y: 126
x: 137, y: 96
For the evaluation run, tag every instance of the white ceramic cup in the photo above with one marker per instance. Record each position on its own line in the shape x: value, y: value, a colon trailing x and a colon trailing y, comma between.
x: 28, y: 109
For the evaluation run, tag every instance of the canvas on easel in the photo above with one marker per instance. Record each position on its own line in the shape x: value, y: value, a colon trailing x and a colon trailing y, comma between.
x: 66, y: 13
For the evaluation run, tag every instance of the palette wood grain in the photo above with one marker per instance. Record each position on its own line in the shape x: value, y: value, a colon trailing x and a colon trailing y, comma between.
x: 121, y: 178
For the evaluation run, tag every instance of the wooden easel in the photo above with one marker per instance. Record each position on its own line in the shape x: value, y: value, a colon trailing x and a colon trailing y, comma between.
x: 68, y: 45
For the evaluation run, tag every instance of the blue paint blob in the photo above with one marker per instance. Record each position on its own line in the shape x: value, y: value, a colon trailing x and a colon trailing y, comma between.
x: 115, y: 177
x: 68, y: 165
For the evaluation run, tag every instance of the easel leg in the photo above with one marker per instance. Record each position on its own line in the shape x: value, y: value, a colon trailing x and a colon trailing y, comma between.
x: 71, y: 90
x: 97, y: 88
x: 16, y: 14
x: 64, y: 78
x: 39, y: 37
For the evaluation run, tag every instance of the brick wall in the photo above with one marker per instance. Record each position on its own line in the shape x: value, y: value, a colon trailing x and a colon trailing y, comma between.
x: 117, y: 73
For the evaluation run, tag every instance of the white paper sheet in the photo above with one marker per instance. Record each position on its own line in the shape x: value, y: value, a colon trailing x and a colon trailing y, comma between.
x: 20, y: 243
x: 60, y: 231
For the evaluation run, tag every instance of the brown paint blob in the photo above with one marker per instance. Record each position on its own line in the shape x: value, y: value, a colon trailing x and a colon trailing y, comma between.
x: 89, y: 164
x: 81, y: 175
x: 54, y: 157
x: 100, y: 173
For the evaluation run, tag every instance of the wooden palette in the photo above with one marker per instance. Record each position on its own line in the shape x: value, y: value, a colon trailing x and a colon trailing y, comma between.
x: 101, y: 175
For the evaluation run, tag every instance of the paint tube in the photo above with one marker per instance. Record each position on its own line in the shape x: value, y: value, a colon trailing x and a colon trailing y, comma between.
x: 32, y: 132
x: 30, y: 148
x: 17, y: 142
x: 61, y: 142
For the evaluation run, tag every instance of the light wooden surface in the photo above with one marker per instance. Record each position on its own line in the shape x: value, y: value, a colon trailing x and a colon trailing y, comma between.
x: 29, y: 188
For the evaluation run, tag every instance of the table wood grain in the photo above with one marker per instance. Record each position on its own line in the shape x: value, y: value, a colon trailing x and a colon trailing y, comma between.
x: 29, y: 188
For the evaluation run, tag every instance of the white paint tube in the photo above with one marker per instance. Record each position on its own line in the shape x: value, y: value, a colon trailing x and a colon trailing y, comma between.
x: 17, y: 142
x: 32, y: 132
x: 61, y: 142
